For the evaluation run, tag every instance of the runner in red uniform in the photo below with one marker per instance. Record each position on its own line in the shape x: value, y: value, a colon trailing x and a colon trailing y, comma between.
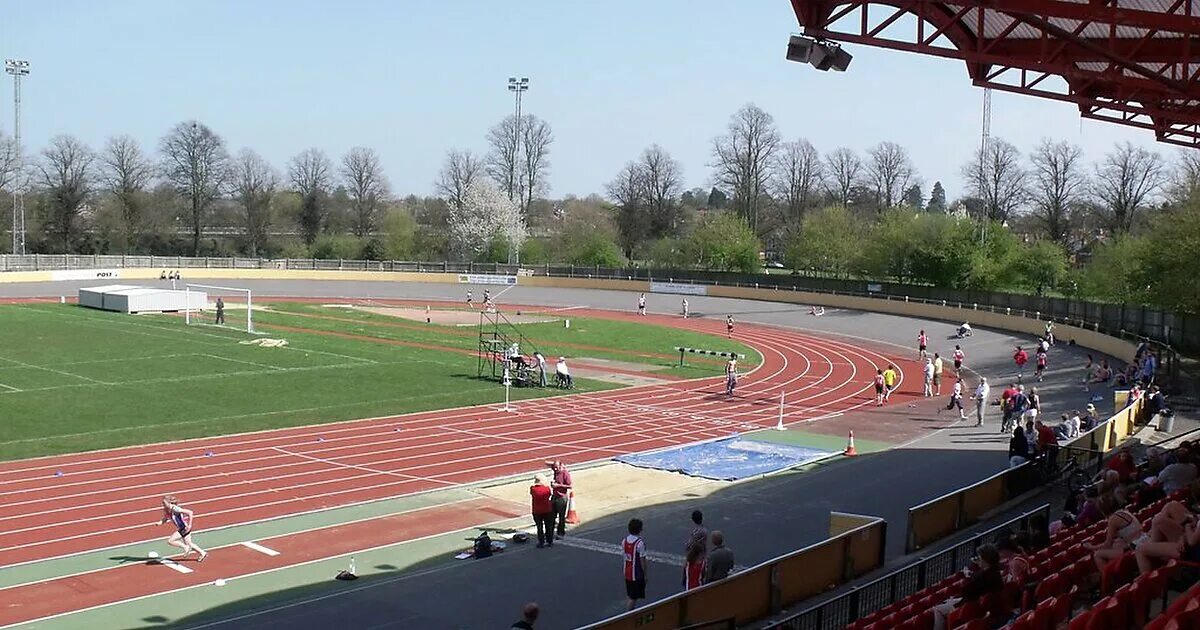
x: 922, y: 344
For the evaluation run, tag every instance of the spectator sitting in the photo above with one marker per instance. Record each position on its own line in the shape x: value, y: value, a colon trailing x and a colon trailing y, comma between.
x: 1102, y: 374
x: 1089, y: 421
x: 1069, y: 427
x: 1124, y: 466
x: 1173, y: 535
x: 1124, y: 532
x: 1177, y: 476
x: 562, y: 374
x: 1156, y: 402
x: 1090, y: 512
x: 1014, y: 565
x: 984, y: 581
x: 1127, y: 377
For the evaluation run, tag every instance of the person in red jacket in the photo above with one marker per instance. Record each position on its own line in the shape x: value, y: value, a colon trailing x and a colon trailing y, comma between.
x: 543, y: 511
x: 1020, y: 357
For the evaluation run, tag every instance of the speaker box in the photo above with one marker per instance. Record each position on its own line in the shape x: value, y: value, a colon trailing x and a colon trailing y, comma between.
x: 799, y: 48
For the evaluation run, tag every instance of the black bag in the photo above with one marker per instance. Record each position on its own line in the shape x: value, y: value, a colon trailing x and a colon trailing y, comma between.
x: 483, y: 546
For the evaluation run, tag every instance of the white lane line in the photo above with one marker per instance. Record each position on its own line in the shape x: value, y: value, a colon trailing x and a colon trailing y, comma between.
x: 10, y: 388
x: 261, y: 365
x: 47, y: 369
x: 259, y: 548
x: 171, y: 564
x: 376, y: 471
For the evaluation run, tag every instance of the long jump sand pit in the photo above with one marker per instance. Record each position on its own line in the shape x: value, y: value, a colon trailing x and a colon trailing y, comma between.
x: 611, y: 488
x: 451, y: 317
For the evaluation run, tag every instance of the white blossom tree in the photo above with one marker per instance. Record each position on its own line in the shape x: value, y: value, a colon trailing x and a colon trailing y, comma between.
x: 486, y: 213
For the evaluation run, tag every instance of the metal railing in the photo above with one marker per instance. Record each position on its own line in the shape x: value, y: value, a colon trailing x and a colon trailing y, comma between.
x: 862, y: 600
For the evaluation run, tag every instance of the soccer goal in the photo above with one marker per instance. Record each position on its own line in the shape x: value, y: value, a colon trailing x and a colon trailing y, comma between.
x: 230, y: 307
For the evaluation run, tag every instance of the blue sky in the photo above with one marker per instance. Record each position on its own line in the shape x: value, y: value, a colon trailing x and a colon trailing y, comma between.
x: 414, y: 79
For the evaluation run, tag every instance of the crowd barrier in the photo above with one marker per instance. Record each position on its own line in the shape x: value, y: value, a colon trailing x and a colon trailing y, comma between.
x: 855, y: 547
x: 934, y: 520
x: 864, y: 599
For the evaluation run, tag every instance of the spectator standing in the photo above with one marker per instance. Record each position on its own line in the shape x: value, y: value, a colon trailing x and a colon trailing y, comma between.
x: 720, y: 560
x: 529, y: 615
x: 1177, y: 476
x: 1018, y: 448
x: 562, y: 374
x: 938, y: 366
x: 685, y: 308
x: 1149, y: 367
x: 927, y: 390
x: 982, y: 391
x: 561, y: 487
x: 633, y: 550
x: 220, y: 311
x: 541, y: 362
x: 696, y: 551
x: 1006, y: 397
x: 543, y: 510
x: 642, y: 304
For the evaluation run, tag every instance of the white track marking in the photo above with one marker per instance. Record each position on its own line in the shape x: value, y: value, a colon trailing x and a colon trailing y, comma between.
x: 376, y: 471
x: 171, y: 564
x: 249, y: 544
x: 10, y: 388
x: 611, y: 549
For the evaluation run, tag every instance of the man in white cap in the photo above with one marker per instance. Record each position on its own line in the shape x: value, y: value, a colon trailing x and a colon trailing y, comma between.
x: 562, y: 373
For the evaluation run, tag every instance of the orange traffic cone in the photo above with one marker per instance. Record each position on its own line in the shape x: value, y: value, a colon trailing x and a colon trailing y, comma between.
x: 850, y: 451
x: 572, y: 515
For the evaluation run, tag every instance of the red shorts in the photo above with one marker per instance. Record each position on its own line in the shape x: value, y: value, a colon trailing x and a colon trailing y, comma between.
x: 691, y: 574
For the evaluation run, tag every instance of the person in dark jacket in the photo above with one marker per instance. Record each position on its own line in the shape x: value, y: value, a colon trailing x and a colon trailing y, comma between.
x: 529, y: 615
x: 984, y: 580
x: 1018, y: 448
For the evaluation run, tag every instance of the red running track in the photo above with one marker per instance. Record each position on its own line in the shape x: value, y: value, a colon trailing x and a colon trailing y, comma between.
x: 109, y: 498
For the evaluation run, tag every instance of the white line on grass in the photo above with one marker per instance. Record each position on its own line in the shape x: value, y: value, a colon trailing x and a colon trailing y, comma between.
x: 9, y: 387
x: 42, y: 367
x: 261, y: 365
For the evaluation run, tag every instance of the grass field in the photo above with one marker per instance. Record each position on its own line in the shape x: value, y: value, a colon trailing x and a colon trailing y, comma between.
x: 73, y: 379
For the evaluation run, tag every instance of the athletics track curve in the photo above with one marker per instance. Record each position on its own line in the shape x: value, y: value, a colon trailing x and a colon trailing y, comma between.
x: 109, y: 498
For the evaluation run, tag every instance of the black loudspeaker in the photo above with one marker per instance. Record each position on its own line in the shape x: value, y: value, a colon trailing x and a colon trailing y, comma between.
x: 799, y: 48
x: 841, y: 59
x: 821, y: 57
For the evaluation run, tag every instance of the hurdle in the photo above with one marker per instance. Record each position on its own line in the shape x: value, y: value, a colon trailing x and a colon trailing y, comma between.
x: 712, y: 353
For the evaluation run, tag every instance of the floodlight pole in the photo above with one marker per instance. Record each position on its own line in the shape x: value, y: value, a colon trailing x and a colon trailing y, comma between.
x: 517, y: 87
x: 17, y: 68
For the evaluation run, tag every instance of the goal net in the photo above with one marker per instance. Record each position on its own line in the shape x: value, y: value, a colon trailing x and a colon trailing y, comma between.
x: 228, y: 307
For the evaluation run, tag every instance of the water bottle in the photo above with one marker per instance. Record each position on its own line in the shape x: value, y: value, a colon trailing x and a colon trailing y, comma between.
x: 353, y: 568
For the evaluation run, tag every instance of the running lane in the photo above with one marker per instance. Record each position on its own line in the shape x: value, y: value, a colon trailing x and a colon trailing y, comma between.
x: 110, y: 498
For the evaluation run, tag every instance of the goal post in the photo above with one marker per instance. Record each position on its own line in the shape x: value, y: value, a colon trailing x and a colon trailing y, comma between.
x: 236, y: 307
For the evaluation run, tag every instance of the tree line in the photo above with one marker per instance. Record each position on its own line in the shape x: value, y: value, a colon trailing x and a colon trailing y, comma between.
x: 1025, y: 221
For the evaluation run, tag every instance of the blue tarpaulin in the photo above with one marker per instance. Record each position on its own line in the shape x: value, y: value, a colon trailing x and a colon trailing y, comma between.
x: 728, y: 459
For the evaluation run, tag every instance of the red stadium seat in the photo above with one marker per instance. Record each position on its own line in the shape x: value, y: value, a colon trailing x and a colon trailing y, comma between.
x: 979, y: 623
x: 964, y: 613
x: 1111, y: 613
x: 1081, y: 621
x: 1186, y: 620
x: 1051, y: 586
x: 1060, y: 609
x: 1117, y: 572
x: 1026, y: 621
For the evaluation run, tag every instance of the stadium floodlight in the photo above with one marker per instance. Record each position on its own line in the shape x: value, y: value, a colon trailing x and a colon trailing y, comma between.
x: 17, y: 68
x: 517, y: 87
x: 822, y: 55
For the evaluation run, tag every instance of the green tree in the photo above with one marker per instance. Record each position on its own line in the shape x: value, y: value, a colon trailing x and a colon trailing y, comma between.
x: 830, y: 240
x: 1116, y: 272
x: 913, y: 197
x: 534, y: 252
x: 724, y: 242
x: 937, y: 199
x: 400, y: 239
x: 337, y: 247
x: 665, y: 253
x: 1168, y: 257
x: 1042, y: 266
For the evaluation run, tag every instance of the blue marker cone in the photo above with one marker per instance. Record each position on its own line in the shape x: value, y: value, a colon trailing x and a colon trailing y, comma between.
x: 208, y: 453
x: 58, y: 473
x: 320, y: 439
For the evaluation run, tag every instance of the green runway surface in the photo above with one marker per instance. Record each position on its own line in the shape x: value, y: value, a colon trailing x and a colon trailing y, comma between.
x: 74, y: 379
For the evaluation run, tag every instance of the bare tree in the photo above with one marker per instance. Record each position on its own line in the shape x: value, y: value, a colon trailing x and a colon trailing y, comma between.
x: 9, y: 161
x: 797, y: 177
x: 504, y: 157
x: 1185, y: 177
x: 127, y: 173
x: 843, y: 171
x: 536, y: 138
x: 628, y: 193
x: 67, y: 175
x: 744, y: 158
x: 311, y: 174
x: 1057, y: 184
x: 662, y: 182
x: 1125, y: 181
x: 368, y: 187
x: 197, y: 165
x: 889, y: 171
x: 254, y: 185
x: 460, y: 170
x: 996, y: 178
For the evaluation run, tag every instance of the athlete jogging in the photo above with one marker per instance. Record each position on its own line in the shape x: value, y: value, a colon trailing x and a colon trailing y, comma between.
x: 729, y: 326
x: 642, y: 304
x: 879, y: 388
x: 922, y: 344
x: 731, y: 375
x: 959, y: 356
x: 685, y: 308
x: 182, y: 518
